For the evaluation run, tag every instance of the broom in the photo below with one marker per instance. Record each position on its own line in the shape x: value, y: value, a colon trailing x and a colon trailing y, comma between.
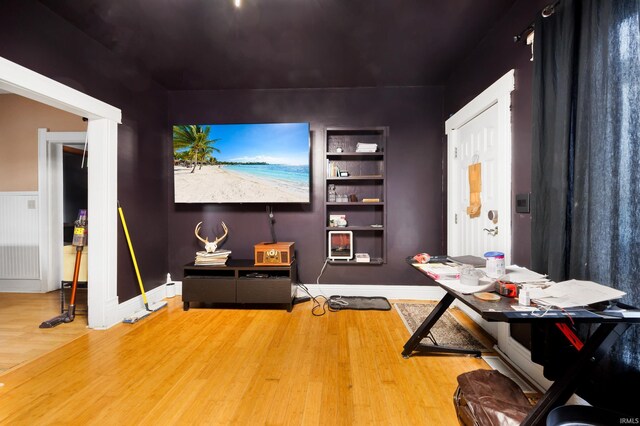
x: 148, y: 308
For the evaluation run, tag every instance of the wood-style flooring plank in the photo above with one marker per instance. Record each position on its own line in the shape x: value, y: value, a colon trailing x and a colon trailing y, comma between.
x: 21, y: 339
x: 237, y: 366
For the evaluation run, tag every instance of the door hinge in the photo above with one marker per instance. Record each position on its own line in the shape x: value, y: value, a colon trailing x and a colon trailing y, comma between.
x: 455, y: 152
x: 455, y: 218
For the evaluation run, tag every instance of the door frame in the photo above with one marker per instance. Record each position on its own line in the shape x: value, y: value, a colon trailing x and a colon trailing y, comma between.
x: 102, y: 129
x: 499, y: 93
x: 51, y: 204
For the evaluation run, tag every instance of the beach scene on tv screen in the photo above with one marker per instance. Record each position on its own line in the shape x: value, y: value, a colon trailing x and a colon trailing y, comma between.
x: 241, y: 163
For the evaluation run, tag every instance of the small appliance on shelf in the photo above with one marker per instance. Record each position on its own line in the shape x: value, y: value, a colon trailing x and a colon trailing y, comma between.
x: 363, y: 258
x: 273, y: 254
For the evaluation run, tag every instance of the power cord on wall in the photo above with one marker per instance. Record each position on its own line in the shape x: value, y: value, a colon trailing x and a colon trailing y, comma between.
x: 320, y: 303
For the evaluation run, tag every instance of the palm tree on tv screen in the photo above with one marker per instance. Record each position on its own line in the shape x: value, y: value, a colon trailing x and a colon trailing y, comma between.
x: 195, y: 140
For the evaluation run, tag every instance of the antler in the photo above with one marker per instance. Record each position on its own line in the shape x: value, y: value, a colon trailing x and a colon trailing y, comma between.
x: 226, y: 231
x: 210, y: 247
x: 197, y: 232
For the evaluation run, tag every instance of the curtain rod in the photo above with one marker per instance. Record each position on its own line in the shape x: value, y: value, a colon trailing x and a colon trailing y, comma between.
x: 546, y: 12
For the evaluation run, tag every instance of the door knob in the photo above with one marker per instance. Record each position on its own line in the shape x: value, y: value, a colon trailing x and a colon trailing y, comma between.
x: 493, y: 232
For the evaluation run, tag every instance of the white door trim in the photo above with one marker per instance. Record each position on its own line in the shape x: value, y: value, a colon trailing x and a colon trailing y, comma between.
x: 102, y: 176
x: 499, y: 93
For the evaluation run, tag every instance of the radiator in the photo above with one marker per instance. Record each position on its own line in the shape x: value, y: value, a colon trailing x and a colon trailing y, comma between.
x: 19, y: 245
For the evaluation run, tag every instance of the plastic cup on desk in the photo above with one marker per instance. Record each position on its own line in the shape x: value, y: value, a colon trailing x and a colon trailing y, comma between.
x: 495, y: 263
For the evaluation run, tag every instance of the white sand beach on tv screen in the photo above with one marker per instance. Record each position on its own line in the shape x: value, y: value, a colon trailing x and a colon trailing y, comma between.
x: 218, y: 184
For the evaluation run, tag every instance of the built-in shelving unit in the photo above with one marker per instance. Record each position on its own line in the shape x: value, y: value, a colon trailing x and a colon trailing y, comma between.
x: 366, y: 180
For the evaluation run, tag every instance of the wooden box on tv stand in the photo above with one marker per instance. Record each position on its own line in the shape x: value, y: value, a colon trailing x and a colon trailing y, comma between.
x: 273, y: 254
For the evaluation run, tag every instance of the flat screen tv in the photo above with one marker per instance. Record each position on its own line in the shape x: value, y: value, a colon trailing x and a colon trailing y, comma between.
x: 241, y: 163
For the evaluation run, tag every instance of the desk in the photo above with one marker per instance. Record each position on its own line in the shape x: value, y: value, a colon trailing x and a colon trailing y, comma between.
x: 595, y: 348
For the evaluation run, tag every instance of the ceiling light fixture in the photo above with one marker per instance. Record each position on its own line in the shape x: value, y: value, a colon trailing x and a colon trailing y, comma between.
x: 237, y: 3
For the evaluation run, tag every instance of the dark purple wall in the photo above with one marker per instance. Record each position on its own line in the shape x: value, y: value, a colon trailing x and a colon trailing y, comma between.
x: 494, y: 56
x: 32, y: 36
x: 414, y: 172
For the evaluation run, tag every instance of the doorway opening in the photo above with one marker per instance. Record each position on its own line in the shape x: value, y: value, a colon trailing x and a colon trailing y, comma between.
x: 102, y: 179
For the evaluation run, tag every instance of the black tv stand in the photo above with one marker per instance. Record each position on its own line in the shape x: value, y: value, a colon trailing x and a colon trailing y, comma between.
x: 239, y: 282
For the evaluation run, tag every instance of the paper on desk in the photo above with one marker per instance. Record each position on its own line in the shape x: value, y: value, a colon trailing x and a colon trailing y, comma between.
x: 484, y: 285
x: 572, y: 293
x: 518, y: 274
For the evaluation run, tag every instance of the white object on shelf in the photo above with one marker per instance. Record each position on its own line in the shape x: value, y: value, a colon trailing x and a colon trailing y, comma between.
x: 366, y: 147
x: 363, y: 257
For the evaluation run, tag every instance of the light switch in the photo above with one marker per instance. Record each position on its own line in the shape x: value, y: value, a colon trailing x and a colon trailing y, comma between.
x: 522, y: 203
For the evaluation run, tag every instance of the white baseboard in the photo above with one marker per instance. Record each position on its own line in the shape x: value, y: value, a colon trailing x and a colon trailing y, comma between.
x: 20, y: 286
x: 410, y: 292
x: 131, y: 306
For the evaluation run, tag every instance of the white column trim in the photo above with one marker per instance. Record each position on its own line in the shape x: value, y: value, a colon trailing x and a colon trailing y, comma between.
x: 102, y: 129
x: 22, y: 81
x: 102, y: 223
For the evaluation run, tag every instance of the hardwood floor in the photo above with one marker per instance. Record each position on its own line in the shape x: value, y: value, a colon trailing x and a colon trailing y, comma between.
x: 21, y: 339
x: 234, y: 366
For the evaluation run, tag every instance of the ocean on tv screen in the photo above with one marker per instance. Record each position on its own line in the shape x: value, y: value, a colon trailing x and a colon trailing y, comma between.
x: 242, y: 163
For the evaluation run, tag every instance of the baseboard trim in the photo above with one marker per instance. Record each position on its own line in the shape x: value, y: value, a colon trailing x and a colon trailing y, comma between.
x: 8, y: 285
x: 133, y: 305
x: 409, y: 292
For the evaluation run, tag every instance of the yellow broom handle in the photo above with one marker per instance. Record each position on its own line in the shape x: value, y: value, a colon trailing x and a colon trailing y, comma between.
x: 133, y: 255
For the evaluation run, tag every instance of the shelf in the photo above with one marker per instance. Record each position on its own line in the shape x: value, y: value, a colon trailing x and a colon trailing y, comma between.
x: 355, y: 154
x: 357, y: 203
x: 354, y: 228
x: 366, y: 180
x: 370, y: 177
x: 374, y: 261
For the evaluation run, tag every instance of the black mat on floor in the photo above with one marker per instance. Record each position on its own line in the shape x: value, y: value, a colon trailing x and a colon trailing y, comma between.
x: 360, y: 303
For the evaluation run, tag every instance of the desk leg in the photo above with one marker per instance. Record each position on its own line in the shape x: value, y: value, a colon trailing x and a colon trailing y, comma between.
x: 414, y: 345
x: 593, y: 351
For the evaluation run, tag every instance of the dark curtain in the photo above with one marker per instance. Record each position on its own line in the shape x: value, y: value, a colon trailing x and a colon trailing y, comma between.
x: 586, y: 165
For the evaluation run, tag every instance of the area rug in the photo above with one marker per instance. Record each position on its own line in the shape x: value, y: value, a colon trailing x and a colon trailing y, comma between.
x: 446, y: 332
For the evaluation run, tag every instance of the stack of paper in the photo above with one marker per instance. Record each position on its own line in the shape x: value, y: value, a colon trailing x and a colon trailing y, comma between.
x: 366, y: 147
x: 440, y: 271
x: 573, y: 293
x: 217, y: 258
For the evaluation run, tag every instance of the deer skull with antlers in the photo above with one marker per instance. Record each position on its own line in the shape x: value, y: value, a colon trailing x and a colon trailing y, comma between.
x: 210, y: 247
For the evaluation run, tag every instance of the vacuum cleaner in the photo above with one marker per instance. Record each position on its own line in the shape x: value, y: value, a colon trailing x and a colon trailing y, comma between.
x: 79, y: 241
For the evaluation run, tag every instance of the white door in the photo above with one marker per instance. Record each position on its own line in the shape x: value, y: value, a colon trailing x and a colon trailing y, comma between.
x: 482, y: 128
x: 481, y: 133
x: 477, y: 142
